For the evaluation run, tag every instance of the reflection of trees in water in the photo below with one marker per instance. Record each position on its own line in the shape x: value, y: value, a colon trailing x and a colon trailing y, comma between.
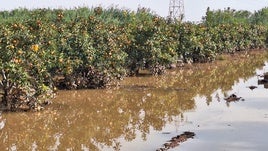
x: 207, y: 80
x: 96, y: 119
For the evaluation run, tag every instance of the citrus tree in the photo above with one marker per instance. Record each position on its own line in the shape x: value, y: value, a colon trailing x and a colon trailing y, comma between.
x: 25, y: 81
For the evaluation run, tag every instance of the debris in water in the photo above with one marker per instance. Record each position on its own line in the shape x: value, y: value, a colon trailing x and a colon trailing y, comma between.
x: 252, y: 87
x: 264, y: 80
x: 166, y: 133
x: 175, y: 141
x: 232, y: 98
x: 260, y: 75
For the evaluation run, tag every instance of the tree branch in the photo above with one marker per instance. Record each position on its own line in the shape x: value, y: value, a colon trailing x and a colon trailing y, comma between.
x: 4, y: 75
x: 1, y: 84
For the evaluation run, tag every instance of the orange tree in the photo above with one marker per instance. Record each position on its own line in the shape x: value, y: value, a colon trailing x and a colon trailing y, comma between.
x: 89, y: 53
x: 153, y: 43
x: 25, y: 81
x: 237, y: 30
x: 196, y: 43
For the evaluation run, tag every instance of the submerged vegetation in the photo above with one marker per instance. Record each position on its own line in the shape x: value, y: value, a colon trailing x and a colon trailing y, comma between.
x: 44, y: 49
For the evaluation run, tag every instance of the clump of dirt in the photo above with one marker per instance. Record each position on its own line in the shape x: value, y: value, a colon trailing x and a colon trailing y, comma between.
x: 264, y: 80
x: 176, y: 141
x: 252, y: 87
x: 232, y: 98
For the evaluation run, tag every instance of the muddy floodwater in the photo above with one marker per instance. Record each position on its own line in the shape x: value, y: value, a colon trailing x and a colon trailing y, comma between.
x: 144, y: 112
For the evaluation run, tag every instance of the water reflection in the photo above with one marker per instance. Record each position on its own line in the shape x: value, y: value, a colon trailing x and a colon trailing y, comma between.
x: 2, y: 121
x: 99, y: 119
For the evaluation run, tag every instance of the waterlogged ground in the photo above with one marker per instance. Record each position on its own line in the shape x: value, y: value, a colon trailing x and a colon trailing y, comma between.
x: 145, y: 112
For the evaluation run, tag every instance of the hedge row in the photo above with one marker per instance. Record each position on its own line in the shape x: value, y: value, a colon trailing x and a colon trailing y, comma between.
x: 90, y: 48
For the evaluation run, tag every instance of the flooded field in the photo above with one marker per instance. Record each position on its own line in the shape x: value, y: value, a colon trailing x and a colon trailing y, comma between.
x: 144, y: 112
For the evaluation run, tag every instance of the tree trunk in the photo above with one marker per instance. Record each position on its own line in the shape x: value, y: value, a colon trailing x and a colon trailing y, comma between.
x: 5, y: 87
x: 5, y: 97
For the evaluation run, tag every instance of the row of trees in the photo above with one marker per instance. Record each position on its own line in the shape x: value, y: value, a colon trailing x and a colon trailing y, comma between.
x: 214, y: 18
x: 44, y: 49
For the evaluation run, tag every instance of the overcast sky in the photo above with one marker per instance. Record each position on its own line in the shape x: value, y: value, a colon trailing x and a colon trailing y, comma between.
x: 194, y: 9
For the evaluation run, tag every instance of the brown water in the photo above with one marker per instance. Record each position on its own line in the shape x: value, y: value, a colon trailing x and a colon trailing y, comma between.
x: 144, y: 112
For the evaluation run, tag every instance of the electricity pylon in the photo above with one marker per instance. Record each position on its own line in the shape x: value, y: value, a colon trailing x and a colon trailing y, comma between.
x: 176, y: 10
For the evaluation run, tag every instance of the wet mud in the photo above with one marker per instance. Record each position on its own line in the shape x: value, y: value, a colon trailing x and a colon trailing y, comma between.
x: 176, y: 141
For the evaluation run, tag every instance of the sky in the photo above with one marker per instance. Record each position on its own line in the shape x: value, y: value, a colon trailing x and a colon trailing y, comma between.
x: 194, y: 9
